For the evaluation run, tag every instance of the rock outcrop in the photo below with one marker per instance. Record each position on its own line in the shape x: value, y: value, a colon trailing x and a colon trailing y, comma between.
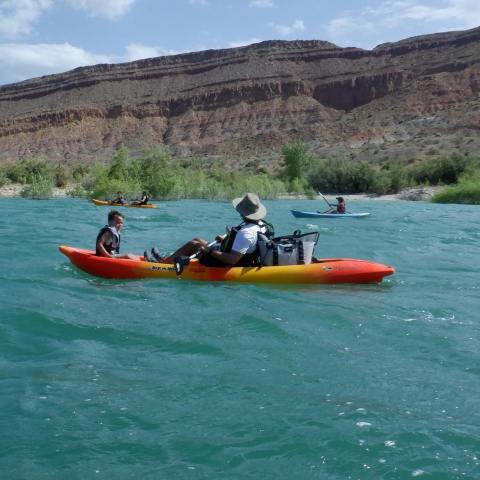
x: 398, y: 100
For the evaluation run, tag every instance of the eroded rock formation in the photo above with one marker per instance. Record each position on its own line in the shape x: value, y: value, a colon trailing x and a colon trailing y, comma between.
x: 242, y: 104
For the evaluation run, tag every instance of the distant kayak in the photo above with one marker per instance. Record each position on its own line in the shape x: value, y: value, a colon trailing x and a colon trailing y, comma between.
x: 321, y: 271
x: 106, y: 203
x: 300, y: 214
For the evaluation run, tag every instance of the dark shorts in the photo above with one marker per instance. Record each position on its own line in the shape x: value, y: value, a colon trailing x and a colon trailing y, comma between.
x: 208, y: 261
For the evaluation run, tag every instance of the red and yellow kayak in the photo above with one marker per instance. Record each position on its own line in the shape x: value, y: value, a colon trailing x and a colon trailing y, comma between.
x: 106, y: 203
x: 326, y: 271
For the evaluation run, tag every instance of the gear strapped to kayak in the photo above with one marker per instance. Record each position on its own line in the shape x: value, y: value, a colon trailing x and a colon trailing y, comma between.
x: 296, y: 249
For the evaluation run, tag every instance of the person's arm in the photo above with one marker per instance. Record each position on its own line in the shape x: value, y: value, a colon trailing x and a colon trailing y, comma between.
x: 105, y: 238
x: 229, y: 258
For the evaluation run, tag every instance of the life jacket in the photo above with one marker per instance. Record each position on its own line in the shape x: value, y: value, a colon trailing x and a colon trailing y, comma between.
x: 253, y: 258
x: 144, y: 202
x: 341, y: 208
x: 114, y: 247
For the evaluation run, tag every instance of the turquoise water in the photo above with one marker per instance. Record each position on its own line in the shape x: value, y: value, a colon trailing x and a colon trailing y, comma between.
x: 178, y: 380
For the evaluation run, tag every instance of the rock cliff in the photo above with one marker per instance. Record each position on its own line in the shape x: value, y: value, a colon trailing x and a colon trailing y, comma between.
x: 398, y: 100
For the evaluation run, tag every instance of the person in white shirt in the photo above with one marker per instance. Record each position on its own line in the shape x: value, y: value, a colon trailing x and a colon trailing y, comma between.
x: 238, y: 247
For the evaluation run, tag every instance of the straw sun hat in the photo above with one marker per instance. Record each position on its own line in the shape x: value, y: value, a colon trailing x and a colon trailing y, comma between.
x: 250, y: 207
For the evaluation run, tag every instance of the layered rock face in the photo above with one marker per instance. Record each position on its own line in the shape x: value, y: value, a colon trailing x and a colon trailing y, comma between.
x: 242, y: 104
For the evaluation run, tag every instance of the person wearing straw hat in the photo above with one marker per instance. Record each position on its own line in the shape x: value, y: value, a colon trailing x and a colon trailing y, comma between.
x: 238, y: 247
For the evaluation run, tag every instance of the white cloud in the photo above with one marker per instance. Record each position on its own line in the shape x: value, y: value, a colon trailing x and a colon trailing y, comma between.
x: 242, y: 43
x: 22, y: 60
x: 17, y: 17
x: 287, y: 30
x: 202, y: 3
x: 261, y: 4
x: 137, y: 51
x: 389, y: 14
x: 19, y: 61
x: 111, y: 9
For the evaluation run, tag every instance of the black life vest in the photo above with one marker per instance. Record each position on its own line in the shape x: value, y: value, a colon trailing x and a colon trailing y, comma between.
x: 249, y: 259
x: 114, y: 247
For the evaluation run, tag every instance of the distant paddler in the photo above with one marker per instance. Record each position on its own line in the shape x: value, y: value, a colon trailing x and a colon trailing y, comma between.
x: 120, y: 199
x: 143, y: 200
x: 340, y: 207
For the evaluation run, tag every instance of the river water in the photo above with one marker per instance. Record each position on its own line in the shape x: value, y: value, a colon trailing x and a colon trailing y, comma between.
x: 181, y: 380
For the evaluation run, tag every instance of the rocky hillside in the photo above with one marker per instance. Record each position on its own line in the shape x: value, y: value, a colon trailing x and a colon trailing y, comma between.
x: 399, y: 100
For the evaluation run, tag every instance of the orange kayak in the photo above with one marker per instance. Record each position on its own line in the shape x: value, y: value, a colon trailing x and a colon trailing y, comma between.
x: 105, y: 203
x: 324, y: 271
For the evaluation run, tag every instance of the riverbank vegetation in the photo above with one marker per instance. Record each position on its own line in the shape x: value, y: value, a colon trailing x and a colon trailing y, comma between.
x: 300, y: 173
x: 338, y: 174
x: 467, y: 190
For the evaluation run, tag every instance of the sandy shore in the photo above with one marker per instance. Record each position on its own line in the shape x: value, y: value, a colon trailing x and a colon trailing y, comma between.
x: 14, y: 189
x: 419, y: 193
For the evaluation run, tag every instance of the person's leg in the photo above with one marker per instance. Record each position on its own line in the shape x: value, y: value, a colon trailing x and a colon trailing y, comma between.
x: 188, y: 249
x: 129, y: 256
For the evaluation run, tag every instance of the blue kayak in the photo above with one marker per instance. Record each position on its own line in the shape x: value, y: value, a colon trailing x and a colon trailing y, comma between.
x: 300, y: 214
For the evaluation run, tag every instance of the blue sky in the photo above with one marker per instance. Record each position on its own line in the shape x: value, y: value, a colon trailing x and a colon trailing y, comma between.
x: 39, y: 37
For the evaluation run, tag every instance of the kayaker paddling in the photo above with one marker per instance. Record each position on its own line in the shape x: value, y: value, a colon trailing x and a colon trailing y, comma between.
x: 120, y: 199
x: 238, y: 247
x: 108, y: 238
x: 340, y: 207
x: 142, y: 201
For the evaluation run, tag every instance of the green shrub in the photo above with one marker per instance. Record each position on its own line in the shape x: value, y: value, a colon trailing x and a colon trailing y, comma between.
x: 79, y: 172
x: 338, y: 174
x: 118, y: 168
x: 29, y: 171
x: 3, y: 179
x: 223, y: 184
x: 445, y: 169
x: 381, y: 183
x: 330, y: 175
x: 40, y: 188
x: 78, y: 191
x: 62, y: 175
x: 296, y: 160
x: 156, y: 174
x: 106, y: 188
x: 466, y: 191
x: 398, y: 178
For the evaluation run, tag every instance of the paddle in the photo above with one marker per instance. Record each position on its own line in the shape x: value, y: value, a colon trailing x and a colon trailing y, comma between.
x: 328, y: 203
x: 180, y: 262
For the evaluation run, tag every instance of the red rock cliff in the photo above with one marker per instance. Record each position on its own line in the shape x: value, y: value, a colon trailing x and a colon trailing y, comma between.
x: 246, y: 102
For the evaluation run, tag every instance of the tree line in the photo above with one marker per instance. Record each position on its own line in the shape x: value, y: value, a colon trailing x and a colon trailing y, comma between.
x: 300, y: 173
